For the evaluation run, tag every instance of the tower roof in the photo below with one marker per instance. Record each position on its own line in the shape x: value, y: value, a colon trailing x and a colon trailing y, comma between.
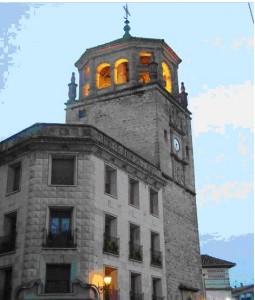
x: 212, y: 262
x: 118, y: 43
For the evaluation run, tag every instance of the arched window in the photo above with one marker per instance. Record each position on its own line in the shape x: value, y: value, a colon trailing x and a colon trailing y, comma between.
x: 145, y: 58
x: 87, y: 72
x: 167, y: 77
x: 86, y: 90
x: 103, y: 76
x: 144, y: 77
x: 121, y: 71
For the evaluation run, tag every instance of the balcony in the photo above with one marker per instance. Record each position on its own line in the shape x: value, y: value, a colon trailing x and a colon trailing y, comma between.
x: 7, y: 243
x: 156, y: 258
x: 135, y: 296
x: 157, y: 297
x: 65, y: 239
x: 111, y: 245
x: 57, y: 287
x: 135, y: 252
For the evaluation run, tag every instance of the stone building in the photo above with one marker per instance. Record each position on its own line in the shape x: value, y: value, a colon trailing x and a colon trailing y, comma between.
x: 216, y: 277
x: 110, y: 193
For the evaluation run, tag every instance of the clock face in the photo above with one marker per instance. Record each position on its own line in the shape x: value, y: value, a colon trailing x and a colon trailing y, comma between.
x: 176, y: 144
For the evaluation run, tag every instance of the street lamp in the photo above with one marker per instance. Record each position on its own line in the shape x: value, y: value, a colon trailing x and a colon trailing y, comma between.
x: 105, y: 288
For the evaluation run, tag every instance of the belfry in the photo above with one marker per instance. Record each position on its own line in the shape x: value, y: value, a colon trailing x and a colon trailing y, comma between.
x: 104, y: 205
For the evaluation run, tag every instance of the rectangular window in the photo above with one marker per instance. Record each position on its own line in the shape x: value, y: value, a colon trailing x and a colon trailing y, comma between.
x: 111, y: 242
x: 154, y: 202
x: 156, y: 289
x: 82, y: 114
x: 7, y: 241
x: 135, y: 287
x: 110, y: 181
x: 63, y: 170
x: 134, y: 192
x: 6, y: 283
x: 58, y: 278
x: 13, y: 179
x: 165, y: 136
x: 156, y: 257
x: 135, y: 249
x: 60, y: 233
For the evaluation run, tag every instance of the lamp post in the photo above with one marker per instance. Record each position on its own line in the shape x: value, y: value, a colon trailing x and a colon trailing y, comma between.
x: 105, y: 288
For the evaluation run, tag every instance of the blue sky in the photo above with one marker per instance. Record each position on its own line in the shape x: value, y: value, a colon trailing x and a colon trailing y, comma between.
x: 41, y: 42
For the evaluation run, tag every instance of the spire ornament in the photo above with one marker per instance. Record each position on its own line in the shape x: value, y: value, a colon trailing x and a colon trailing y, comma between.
x: 183, y: 96
x: 126, y: 27
x: 72, y: 89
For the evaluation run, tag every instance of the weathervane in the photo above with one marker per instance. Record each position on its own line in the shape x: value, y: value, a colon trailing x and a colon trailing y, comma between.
x: 127, y: 13
x: 126, y: 27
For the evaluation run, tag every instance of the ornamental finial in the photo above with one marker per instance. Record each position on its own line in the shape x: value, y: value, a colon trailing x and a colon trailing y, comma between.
x: 126, y: 27
x: 183, y: 96
x: 72, y: 88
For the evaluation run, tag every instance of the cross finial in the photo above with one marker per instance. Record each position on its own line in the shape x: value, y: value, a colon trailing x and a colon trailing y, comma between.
x: 127, y: 12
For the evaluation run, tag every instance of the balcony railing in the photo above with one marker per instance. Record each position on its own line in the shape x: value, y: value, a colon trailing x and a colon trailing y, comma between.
x: 111, y: 294
x: 5, y: 294
x: 57, y: 287
x: 65, y: 239
x: 7, y: 243
x: 135, y: 252
x: 135, y: 296
x: 156, y: 258
x: 157, y: 297
x: 111, y: 245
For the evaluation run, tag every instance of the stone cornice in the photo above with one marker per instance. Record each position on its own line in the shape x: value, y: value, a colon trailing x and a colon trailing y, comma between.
x: 73, y: 137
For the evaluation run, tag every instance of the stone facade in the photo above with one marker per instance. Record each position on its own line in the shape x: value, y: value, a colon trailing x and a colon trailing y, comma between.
x: 130, y: 128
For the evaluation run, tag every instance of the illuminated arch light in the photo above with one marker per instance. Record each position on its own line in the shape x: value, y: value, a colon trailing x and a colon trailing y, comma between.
x: 103, y: 76
x: 144, y: 77
x: 145, y: 58
x: 86, y: 90
x: 167, y: 77
x: 121, y: 71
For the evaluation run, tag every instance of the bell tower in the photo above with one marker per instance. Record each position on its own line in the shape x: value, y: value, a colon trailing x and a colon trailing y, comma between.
x: 128, y: 88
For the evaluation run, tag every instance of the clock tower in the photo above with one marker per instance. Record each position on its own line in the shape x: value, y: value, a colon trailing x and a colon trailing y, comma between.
x: 129, y: 89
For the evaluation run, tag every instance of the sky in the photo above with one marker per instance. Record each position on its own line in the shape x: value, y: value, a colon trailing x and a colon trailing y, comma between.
x: 40, y: 42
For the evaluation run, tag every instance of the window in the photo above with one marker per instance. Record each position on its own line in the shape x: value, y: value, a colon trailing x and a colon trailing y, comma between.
x: 86, y: 90
x: 63, y: 170
x: 156, y: 289
x: 165, y: 136
x: 154, y: 202
x: 121, y: 71
x: 82, y: 113
x: 110, y: 181
x: 7, y: 241
x: 103, y: 76
x: 134, y: 192
x: 187, y: 152
x: 167, y: 77
x: 60, y: 233
x: 112, y: 291
x: 145, y: 58
x: 135, y: 249
x: 13, y: 179
x: 156, y: 257
x: 86, y: 72
x: 135, y: 287
x: 58, y: 278
x: 6, y: 283
x: 144, y: 77
x: 111, y: 242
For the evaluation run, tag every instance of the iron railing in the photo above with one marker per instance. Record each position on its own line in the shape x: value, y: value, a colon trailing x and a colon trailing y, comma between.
x: 135, y: 251
x: 156, y: 258
x: 111, y: 245
x: 136, y: 296
x: 111, y: 294
x: 7, y: 243
x: 65, y: 239
x: 57, y: 286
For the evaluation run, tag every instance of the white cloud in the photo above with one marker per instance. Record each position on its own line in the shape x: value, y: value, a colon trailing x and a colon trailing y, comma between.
x: 235, y: 44
x: 225, y: 192
x: 216, y: 108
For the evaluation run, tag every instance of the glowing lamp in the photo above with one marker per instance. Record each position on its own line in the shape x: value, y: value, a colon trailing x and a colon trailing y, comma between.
x: 107, y: 280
